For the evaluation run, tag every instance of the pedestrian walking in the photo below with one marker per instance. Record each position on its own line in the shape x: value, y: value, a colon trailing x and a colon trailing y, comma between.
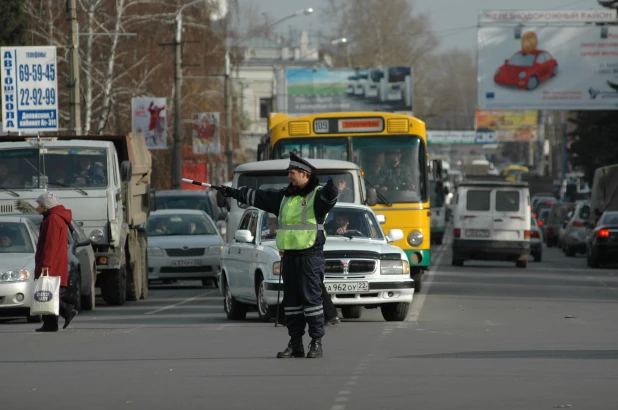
x: 301, y: 209
x: 52, y: 255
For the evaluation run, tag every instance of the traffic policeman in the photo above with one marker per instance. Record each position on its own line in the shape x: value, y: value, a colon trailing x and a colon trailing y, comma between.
x: 301, y: 209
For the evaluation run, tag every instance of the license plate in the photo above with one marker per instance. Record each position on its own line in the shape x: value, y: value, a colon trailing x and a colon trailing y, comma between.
x: 477, y: 233
x: 347, y: 287
x: 179, y: 264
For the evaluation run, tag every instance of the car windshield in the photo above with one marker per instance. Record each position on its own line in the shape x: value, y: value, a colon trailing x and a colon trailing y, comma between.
x: 179, y: 224
x: 609, y: 218
x: 522, y: 60
x: 353, y: 222
x: 199, y: 202
x: 14, y: 238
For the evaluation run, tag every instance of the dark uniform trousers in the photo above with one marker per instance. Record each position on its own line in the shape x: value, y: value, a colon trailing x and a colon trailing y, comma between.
x: 303, y: 274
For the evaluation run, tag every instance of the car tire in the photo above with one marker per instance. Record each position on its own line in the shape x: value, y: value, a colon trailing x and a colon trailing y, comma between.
x: 533, y: 82
x: 395, y: 312
x: 537, y: 256
x: 88, y: 301
x: 456, y: 261
x: 265, y: 312
x: 233, y: 308
x: 594, y: 259
x: 34, y: 319
x: 522, y: 264
x: 418, y: 281
x: 351, y: 312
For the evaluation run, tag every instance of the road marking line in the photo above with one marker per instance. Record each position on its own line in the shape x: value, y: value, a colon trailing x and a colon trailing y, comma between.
x: 152, y: 312
x: 420, y: 299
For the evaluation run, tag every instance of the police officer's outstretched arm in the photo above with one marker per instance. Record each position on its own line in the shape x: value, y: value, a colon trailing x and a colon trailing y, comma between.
x: 326, y: 199
x: 269, y: 201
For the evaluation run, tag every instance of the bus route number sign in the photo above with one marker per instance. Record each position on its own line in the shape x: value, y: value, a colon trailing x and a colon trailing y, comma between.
x: 320, y: 126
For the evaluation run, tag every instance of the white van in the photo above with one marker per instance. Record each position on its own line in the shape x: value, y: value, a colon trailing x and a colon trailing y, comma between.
x: 492, y: 222
x: 273, y: 174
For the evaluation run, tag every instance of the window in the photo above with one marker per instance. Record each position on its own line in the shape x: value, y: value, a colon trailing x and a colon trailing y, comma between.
x: 352, y: 222
x: 269, y: 228
x: 584, y: 212
x: 14, y: 238
x: 266, y: 107
x: 507, y: 201
x: 244, y: 223
x: 477, y: 200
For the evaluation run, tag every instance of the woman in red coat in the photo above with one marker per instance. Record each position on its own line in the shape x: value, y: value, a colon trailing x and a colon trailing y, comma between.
x: 52, y: 254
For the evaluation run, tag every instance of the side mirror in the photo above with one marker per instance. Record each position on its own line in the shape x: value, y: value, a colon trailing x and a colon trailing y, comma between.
x: 222, y: 216
x: 372, y: 197
x: 395, y: 235
x: 243, y: 236
x: 126, y: 171
x: 381, y: 219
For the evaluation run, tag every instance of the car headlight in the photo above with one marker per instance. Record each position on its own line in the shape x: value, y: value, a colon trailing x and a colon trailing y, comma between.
x: 522, y: 75
x: 15, y: 275
x: 415, y: 238
x: 215, y: 250
x: 96, y: 235
x: 392, y: 267
x: 155, y: 251
x: 277, y: 268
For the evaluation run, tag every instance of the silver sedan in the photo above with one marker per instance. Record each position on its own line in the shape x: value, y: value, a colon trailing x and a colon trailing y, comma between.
x: 183, y: 244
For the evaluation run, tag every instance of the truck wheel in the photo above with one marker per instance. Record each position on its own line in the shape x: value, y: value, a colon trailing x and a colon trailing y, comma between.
x: 143, y: 247
x: 134, y: 267
x: 114, y: 285
x: 88, y: 301
x: 351, y: 312
x: 418, y: 281
x: 395, y: 312
x: 233, y: 308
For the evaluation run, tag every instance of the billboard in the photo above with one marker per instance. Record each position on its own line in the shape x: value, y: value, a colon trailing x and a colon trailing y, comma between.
x: 313, y: 90
x: 548, y: 67
x: 149, y: 117
x: 29, y: 89
x: 450, y: 137
x: 206, y: 134
x: 508, y: 125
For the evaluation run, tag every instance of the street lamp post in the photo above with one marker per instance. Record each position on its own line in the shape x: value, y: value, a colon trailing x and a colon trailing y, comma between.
x: 177, y: 159
x: 228, y: 90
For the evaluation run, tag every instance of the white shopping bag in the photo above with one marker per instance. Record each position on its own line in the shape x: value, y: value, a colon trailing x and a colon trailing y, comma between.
x: 46, y: 300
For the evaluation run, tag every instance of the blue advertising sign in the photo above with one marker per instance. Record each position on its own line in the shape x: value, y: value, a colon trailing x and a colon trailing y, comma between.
x: 486, y: 137
x: 29, y: 89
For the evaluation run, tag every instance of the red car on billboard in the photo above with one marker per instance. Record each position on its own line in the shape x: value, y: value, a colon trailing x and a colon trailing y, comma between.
x: 526, y: 70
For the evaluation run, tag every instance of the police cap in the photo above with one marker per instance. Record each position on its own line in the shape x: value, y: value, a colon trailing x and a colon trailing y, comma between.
x: 297, y: 162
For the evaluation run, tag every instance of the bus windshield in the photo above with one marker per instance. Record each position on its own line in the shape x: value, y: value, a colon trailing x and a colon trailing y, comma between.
x: 395, y: 165
x: 321, y: 148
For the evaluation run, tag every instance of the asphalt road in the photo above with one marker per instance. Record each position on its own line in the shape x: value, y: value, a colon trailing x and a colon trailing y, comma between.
x: 482, y: 336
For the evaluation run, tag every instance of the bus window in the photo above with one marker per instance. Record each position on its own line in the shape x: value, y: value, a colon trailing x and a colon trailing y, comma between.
x: 322, y: 148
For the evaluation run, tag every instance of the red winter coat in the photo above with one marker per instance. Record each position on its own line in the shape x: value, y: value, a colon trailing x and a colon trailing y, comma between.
x: 53, y: 247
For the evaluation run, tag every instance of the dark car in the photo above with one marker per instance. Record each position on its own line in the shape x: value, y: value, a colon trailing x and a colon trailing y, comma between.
x: 540, y: 205
x: 557, y: 213
x: 82, y: 274
x: 526, y: 70
x: 542, y: 220
x: 602, y: 246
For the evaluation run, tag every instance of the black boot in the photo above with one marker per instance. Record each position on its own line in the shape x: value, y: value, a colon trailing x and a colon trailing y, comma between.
x: 46, y: 329
x: 295, y: 349
x: 315, y: 348
x: 69, y: 318
x: 50, y: 324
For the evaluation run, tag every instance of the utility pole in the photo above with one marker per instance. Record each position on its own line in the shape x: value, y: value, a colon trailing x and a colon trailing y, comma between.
x: 177, y: 158
x: 227, y: 91
x: 76, y: 112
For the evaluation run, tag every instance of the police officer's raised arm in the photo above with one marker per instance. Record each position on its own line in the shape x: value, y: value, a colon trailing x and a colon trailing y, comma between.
x: 326, y: 199
x: 269, y: 201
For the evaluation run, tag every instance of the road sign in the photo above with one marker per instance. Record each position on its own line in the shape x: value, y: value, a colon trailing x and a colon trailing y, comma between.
x: 29, y: 89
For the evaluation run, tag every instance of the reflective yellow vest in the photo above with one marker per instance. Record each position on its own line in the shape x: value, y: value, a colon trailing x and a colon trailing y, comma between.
x: 298, y: 226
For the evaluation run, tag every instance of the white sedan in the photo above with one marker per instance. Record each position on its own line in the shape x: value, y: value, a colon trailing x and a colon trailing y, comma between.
x: 183, y: 244
x: 18, y: 241
x: 362, y: 269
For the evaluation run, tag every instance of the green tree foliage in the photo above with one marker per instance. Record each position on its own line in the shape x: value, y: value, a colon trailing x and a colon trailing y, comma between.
x: 13, y: 23
x: 595, y: 141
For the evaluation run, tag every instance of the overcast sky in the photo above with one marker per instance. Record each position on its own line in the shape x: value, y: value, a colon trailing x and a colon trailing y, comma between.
x: 446, y: 15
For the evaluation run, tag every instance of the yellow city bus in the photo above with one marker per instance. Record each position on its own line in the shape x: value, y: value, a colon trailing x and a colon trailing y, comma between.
x: 375, y: 141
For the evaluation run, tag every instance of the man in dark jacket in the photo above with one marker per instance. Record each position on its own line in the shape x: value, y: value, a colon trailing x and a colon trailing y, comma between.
x: 52, y: 255
x: 301, y: 209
